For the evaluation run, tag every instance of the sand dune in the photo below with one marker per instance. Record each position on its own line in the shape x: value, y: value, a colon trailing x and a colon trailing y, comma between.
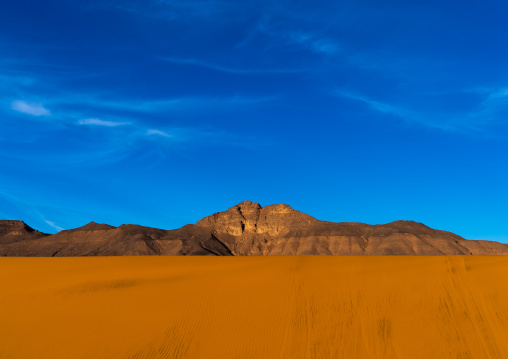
x: 254, y: 307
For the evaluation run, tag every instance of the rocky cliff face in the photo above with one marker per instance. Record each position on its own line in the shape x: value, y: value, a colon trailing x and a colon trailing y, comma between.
x: 244, y: 229
x: 248, y: 217
x: 247, y: 228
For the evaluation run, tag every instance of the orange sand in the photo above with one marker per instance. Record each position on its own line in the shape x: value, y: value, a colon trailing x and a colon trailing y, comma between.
x: 254, y: 307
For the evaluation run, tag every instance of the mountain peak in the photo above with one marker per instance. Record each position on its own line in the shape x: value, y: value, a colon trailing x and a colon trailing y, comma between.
x: 407, y: 224
x: 93, y: 226
x: 247, y: 204
x: 15, y: 230
x: 251, y: 218
x: 254, y: 206
x: 14, y: 226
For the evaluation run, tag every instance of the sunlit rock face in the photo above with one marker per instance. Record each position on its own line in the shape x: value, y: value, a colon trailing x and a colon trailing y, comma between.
x: 249, y: 217
x: 248, y: 228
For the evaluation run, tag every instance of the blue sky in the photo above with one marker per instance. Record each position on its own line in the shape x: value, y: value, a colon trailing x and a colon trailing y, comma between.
x: 160, y: 112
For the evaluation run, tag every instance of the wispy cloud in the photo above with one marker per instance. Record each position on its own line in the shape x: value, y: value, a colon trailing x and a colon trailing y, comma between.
x: 53, y: 225
x: 27, y: 208
x: 312, y: 42
x: 288, y: 33
x: 495, y: 101
x: 143, y: 124
x: 98, y: 122
x: 377, y: 105
x: 158, y: 133
x: 153, y: 106
x: 230, y: 69
x: 34, y: 109
x: 492, y: 110
x: 409, y: 116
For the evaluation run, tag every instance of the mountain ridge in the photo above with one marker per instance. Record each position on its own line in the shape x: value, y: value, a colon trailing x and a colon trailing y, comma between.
x: 244, y: 229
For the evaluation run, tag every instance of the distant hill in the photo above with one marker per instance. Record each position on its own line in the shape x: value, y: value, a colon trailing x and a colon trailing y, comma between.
x: 16, y: 231
x: 242, y: 230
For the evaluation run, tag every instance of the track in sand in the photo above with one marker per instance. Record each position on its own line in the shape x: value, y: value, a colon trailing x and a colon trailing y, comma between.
x: 254, y: 307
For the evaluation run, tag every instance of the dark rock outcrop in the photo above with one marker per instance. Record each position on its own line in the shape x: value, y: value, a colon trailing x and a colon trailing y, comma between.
x: 15, y: 231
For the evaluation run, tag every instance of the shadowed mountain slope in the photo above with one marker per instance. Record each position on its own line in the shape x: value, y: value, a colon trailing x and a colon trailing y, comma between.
x: 15, y: 231
x: 244, y: 229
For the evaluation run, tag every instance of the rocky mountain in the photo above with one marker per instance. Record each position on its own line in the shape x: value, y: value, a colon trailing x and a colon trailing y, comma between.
x: 244, y: 229
x: 15, y: 231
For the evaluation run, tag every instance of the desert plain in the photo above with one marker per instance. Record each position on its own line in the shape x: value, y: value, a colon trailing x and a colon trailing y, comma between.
x: 254, y: 307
